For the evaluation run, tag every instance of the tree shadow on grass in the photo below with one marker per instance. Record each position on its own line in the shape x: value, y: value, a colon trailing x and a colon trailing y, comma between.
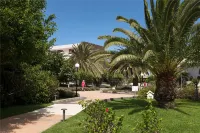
x: 136, y: 105
x: 181, y: 111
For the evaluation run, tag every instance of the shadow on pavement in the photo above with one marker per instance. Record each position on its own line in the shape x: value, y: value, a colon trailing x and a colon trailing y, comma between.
x: 8, y: 125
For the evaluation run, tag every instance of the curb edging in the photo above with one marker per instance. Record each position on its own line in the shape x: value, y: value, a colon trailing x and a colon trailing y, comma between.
x: 67, y: 100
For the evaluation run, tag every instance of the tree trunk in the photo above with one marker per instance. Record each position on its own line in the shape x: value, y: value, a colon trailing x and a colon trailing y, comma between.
x: 165, y: 90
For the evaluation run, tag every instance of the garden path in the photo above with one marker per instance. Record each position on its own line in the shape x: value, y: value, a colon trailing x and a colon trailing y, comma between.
x: 41, y: 119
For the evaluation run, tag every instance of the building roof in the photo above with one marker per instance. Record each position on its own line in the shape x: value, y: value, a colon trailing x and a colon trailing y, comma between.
x: 61, y: 47
x: 69, y: 46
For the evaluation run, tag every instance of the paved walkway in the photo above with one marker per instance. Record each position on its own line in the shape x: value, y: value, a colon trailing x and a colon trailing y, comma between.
x: 91, y: 95
x: 41, y: 119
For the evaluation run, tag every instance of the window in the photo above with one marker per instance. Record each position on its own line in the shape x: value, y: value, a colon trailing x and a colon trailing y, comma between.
x: 70, y: 51
x: 59, y: 51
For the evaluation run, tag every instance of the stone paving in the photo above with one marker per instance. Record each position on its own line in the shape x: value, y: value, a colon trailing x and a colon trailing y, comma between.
x: 41, y: 119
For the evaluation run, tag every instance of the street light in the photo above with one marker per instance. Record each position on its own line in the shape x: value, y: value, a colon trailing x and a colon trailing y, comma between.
x: 77, y: 66
x: 196, y: 81
x: 142, y: 78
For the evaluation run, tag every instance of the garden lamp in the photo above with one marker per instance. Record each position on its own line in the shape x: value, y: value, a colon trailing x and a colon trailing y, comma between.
x: 76, y: 66
x: 196, y: 81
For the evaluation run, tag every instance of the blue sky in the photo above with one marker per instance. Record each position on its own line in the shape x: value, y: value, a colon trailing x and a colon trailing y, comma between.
x: 85, y: 20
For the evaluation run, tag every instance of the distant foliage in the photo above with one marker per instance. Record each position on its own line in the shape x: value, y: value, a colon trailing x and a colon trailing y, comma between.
x: 150, y: 123
x: 115, y: 79
x: 81, y: 75
x: 100, y: 119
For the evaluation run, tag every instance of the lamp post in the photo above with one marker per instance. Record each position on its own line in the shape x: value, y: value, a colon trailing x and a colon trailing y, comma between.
x: 142, y: 78
x: 181, y: 81
x: 196, y: 81
x: 77, y: 66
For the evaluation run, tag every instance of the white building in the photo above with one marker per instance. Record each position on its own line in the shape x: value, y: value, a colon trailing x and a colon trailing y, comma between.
x: 65, y: 49
x: 193, y: 71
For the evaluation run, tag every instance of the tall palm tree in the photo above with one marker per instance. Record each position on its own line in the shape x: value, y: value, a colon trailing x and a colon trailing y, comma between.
x: 167, y: 42
x: 85, y: 54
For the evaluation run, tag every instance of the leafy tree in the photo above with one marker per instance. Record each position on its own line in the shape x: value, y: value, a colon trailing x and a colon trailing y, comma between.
x: 169, y: 42
x: 25, y: 32
x: 54, y: 62
x: 67, y: 72
x: 82, y: 75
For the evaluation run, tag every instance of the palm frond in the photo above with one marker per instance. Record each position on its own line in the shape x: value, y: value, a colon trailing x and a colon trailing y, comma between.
x: 124, y: 57
x: 129, y: 33
x: 122, y: 19
x: 118, y: 41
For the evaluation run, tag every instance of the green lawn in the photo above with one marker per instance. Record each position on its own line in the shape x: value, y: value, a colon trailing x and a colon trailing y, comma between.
x: 16, y: 110
x: 183, y: 119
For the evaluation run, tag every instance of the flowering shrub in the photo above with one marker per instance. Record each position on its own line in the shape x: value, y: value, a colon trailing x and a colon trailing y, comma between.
x: 151, y: 123
x: 100, y: 118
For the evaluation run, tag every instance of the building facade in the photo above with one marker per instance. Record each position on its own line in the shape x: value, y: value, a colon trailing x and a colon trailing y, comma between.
x: 193, y: 72
x: 65, y: 49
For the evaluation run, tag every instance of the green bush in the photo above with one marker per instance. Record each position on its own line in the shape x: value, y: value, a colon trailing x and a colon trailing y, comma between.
x: 142, y: 93
x: 80, y: 89
x: 186, y: 92
x: 99, y: 118
x: 128, y: 88
x: 105, y: 91
x: 62, y: 93
x: 39, y: 85
x: 11, y: 86
x: 114, y: 91
x: 150, y: 123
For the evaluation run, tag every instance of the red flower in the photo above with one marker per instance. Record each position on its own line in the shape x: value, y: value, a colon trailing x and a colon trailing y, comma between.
x: 107, y: 109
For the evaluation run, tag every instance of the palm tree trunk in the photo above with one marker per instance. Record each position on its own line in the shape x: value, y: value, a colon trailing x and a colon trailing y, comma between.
x: 165, y: 90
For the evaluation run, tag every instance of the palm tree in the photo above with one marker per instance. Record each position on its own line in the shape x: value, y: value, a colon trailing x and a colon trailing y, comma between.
x: 166, y: 42
x: 127, y: 60
x: 86, y: 55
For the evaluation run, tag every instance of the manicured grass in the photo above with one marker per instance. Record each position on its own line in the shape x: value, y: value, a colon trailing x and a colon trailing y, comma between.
x: 185, y: 118
x: 16, y: 110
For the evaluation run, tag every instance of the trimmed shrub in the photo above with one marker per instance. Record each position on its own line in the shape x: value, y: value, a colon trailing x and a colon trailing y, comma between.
x: 62, y: 93
x: 186, y: 92
x: 114, y: 91
x: 127, y: 88
x: 27, y: 85
x: 142, y: 93
x: 105, y: 91
x: 79, y: 88
x: 151, y: 123
x: 100, y: 119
